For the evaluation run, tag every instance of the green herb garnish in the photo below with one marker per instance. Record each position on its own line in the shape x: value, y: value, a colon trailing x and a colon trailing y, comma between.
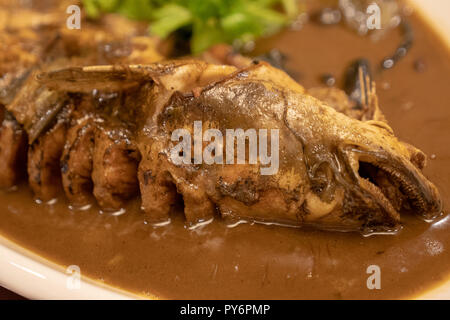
x: 209, y: 21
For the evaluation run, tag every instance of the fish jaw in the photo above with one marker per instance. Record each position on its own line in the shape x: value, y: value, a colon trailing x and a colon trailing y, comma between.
x: 394, y: 182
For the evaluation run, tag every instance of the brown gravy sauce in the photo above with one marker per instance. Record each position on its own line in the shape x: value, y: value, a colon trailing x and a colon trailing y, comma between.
x: 271, y: 262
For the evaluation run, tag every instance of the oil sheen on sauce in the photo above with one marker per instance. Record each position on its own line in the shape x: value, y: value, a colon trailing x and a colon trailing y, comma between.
x: 270, y: 262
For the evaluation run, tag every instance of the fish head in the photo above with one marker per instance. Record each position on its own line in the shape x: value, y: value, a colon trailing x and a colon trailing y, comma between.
x: 372, y: 174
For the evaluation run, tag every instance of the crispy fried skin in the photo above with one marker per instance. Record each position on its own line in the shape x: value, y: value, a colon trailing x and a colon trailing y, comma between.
x: 158, y: 191
x: 159, y: 185
x: 76, y: 162
x: 44, y: 174
x: 13, y: 149
x: 115, y: 162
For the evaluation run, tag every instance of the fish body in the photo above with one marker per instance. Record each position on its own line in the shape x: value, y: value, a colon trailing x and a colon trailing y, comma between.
x: 115, y: 125
x: 334, y: 171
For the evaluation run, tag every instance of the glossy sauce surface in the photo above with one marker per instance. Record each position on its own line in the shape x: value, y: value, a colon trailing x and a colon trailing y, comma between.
x: 219, y: 260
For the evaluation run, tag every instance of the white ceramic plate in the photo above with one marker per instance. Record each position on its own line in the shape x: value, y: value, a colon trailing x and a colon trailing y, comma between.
x: 33, y: 277
x: 36, y: 278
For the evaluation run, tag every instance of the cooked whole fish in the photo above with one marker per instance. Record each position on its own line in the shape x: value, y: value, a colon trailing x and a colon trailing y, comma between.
x: 338, y: 169
x: 102, y: 130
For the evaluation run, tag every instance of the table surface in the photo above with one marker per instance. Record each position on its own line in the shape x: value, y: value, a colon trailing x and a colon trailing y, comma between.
x: 9, y: 295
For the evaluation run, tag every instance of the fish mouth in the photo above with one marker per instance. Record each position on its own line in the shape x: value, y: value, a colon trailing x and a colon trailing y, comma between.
x: 396, y: 185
